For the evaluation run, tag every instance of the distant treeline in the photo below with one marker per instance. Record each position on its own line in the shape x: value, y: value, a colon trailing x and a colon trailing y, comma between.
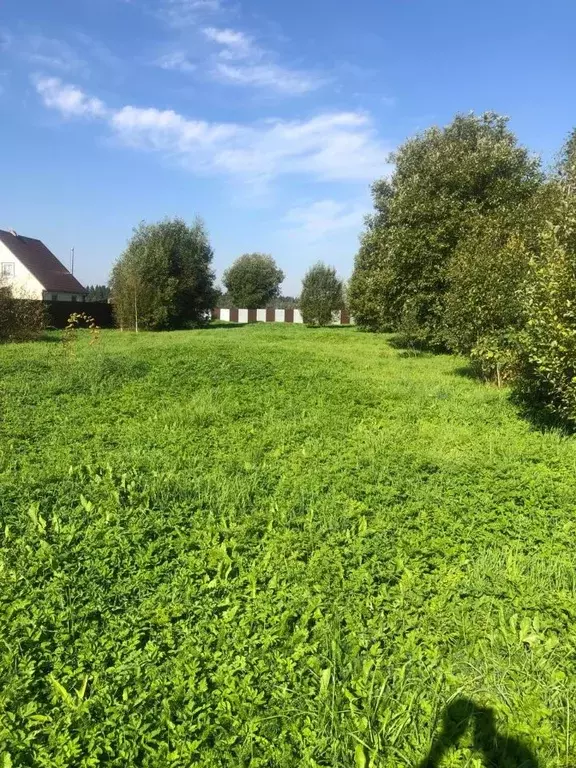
x: 97, y: 293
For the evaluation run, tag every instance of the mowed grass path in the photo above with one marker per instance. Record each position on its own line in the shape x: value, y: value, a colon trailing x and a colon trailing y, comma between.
x: 276, y: 546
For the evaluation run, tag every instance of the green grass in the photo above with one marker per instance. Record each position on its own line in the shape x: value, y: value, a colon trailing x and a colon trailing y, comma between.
x: 276, y: 546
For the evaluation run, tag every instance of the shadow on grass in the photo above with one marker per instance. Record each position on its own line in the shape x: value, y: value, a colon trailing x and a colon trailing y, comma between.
x: 469, y: 371
x: 52, y: 335
x: 540, y: 418
x: 534, y: 413
x: 223, y: 326
x: 409, y: 349
x: 497, y: 750
x: 324, y: 327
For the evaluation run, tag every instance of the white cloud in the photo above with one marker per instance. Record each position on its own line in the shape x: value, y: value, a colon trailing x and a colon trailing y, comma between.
x: 331, y: 146
x: 235, y: 44
x: 241, y: 62
x: 268, y: 76
x: 324, y: 217
x: 67, y: 99
x: 178, y: 61
x: 183, y: 13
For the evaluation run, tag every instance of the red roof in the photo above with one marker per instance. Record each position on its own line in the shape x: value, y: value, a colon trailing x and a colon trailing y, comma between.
x: 46, y: 268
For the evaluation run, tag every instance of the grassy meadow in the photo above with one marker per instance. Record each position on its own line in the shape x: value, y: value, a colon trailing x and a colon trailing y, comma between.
x: 279, y: 546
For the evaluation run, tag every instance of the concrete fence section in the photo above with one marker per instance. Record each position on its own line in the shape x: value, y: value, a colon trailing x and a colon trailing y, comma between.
x: 270, y: 315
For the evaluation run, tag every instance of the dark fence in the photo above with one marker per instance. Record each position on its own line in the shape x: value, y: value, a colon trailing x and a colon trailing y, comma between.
x: 58, y: 312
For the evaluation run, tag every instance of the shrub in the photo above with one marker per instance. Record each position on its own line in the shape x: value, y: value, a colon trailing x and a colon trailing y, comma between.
x: 21, y: 318
x: 322, y: 295
x: 547, y: 359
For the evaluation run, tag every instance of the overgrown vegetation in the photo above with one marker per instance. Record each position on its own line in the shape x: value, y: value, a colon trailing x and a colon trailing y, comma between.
x: 464, y: 240
x: 21, y: 318
x: 270, y: 546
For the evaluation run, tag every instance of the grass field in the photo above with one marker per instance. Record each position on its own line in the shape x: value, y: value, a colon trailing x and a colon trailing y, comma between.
x: 279, y: 546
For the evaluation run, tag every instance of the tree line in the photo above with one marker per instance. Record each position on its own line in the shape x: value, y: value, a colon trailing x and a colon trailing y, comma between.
x: 164, y: 280
x: 471, y: 249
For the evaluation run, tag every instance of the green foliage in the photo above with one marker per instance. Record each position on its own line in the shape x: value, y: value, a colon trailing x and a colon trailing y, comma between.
x: 370, y: 284
x: 164, y: 280
x: 443, y: 179
x: 548, y: 342
x: 97, y: 293
x: 281, y: 302
x: 21, y: 318
x: 566, y: 169
x: 487, y: 274
x: 285, y: 302
x: 253, y: 281
x: 322, y: 294
x: 299, y: 557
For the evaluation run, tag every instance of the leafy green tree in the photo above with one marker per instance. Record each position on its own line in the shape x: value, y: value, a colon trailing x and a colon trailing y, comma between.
x: 566, y: 169
x: 547, y: 376
x: 370, y: 286
x: 163, y: 279
x: 253, y: 280
x: 97, y: 293
x: 443, y: 179
x: 489, y: 268
x: 322, y: 294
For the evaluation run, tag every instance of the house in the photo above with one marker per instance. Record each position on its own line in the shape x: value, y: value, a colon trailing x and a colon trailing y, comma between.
x: 32, y: 271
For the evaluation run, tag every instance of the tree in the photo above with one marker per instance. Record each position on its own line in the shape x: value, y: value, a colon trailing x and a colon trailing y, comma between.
x: 97, y: 293
x: 489, y: 268
x: 322, y: 294
x: 163, y: 279
x: 253, y: 280
x: 566, y: 168
x: 547, y: 376
x: 443, y: 179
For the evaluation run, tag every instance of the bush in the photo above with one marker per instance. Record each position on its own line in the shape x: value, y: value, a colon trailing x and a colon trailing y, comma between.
x: 483, y: 297
x: 547, y: 345
x: 489, y: 269
x: 21, y: 319
x: 322, y: 295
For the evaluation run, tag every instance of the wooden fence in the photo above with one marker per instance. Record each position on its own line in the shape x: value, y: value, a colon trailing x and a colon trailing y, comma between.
x: 271, y: 315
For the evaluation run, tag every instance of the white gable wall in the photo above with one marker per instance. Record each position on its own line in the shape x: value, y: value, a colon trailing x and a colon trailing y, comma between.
x: 24, y: 284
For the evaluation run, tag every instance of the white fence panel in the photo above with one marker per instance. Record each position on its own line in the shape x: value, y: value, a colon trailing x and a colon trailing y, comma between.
x: 242, y: 315
x: 279, y: 315
x: 261, y: 315
x: 225, y: 315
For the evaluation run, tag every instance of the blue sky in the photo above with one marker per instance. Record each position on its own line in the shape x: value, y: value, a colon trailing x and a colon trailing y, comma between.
x: 268, y: 119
